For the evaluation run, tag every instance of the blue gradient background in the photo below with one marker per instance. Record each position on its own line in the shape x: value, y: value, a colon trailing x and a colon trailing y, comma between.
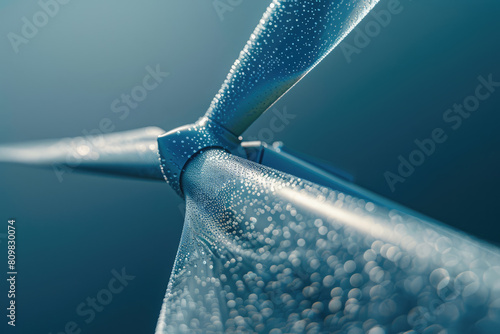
x: 357, y: 116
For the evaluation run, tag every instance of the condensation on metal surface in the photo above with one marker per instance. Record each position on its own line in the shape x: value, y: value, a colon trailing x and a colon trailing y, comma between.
x: 265, y: 252
x: 178, y: 146
x: 292, y: 37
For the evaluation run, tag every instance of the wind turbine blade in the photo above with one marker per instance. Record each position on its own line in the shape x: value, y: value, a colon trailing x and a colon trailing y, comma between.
x: 290, y: 40
x: 130, y: 153
x: 265, y: 252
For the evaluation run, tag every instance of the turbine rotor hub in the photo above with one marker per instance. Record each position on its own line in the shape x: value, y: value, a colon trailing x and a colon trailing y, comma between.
x: 177, y: 147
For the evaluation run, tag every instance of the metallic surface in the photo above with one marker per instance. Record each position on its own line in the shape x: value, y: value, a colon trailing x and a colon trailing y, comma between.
x: 178, y: 146
x: 130, y: 153
x: 265, y: 252
x: 290, y: 40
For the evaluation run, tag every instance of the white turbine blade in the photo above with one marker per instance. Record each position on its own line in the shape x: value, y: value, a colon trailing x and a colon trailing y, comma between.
x: 265, y: 252
x: 292, y: 37
x: 130, y: 153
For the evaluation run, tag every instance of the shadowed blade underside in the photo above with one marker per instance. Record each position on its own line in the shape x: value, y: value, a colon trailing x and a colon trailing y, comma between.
x: 130, y: 153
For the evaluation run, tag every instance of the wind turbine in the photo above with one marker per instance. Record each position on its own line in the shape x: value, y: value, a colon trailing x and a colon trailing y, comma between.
x: 272, y: 242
